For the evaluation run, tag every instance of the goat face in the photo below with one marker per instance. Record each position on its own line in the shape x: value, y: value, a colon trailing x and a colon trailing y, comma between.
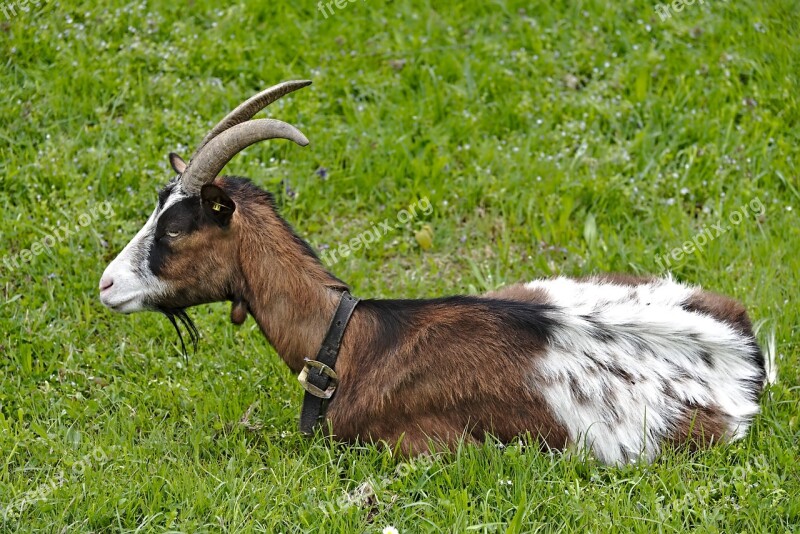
x: 186, y: 252
x: 188, y: 239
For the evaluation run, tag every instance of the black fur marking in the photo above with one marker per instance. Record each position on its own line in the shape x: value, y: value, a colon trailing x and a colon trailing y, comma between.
x: 621, y: 373
x: 756, y: 384
x: 185, y: 217
x: 597, y: 329
x: 612, y: 368
x: 739, y: 322
x: 641, y: 347
x: 164, y: 194
x: 757, y: 357
x: 577, y: 391
x: 530, y: 323
x: 707, y: 357
x: 610, y: 404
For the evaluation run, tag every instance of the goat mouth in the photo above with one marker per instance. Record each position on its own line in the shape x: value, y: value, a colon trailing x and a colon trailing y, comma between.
x: 119, y: 305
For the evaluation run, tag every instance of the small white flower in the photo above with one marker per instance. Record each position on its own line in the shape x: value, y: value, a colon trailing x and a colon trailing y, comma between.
x: 390, y: 530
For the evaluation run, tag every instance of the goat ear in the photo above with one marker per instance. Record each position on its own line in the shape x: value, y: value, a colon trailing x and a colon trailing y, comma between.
x: 217, y: 205
x: 177, y: 162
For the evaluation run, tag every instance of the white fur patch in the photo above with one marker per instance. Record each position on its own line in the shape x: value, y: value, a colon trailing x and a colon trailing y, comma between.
x: 133, y: 281
x: 627, y: 362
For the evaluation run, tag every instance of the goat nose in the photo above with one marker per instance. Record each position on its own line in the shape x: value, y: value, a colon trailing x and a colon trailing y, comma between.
x: 106, y: 282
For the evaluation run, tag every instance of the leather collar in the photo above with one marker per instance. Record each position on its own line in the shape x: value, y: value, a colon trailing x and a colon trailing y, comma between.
x: 318, y: 377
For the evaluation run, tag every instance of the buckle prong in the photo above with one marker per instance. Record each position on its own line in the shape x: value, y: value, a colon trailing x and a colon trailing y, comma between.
x: 323, y: 370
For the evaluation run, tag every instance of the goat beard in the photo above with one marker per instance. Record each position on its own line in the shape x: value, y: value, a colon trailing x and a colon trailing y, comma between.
x: 179, y: 314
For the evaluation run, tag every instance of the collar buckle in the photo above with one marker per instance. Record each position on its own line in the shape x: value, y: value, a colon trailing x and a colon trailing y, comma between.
x: 322, y: 370
x: 318, y: 377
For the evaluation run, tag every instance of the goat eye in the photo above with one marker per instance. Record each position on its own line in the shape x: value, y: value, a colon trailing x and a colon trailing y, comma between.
x: 173, y: 234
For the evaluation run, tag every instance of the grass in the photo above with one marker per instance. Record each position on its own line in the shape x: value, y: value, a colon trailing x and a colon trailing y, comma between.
x: 564, y: 138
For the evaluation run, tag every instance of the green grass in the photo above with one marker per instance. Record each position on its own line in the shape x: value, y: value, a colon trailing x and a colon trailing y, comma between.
x: 563, y: 138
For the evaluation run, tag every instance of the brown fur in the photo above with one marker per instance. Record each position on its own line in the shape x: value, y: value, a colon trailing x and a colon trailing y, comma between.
x: 620, y: 279
x: 435, y: 383
x: 520, y: 293
x: 290, y: 294
x: 439, y: 384
x: 722, y: 308
x: 216, y: 248
x: 698, y: 427
x: 441, y: 371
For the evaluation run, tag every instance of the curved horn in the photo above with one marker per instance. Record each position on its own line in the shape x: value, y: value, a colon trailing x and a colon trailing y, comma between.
x: 247, y: 109
x: 208, y: 163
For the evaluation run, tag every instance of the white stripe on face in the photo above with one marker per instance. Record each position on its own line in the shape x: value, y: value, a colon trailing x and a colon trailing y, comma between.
x: 128, y: 284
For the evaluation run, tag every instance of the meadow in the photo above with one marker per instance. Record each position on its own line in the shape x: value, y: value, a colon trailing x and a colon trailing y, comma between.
x: 551, y: 138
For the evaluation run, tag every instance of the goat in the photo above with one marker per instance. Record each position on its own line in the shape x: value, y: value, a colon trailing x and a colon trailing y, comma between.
x: 615, y: 365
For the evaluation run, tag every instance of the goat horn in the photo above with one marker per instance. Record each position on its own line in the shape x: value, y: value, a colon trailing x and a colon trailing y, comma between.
x: 207, y: 164
x: 247, y: 109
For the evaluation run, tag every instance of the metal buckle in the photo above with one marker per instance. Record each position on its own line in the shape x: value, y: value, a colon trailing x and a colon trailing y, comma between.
x: 323, y: 370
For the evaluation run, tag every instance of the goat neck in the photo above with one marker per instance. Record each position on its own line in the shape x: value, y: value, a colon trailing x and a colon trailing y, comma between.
x: 286, y: 289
